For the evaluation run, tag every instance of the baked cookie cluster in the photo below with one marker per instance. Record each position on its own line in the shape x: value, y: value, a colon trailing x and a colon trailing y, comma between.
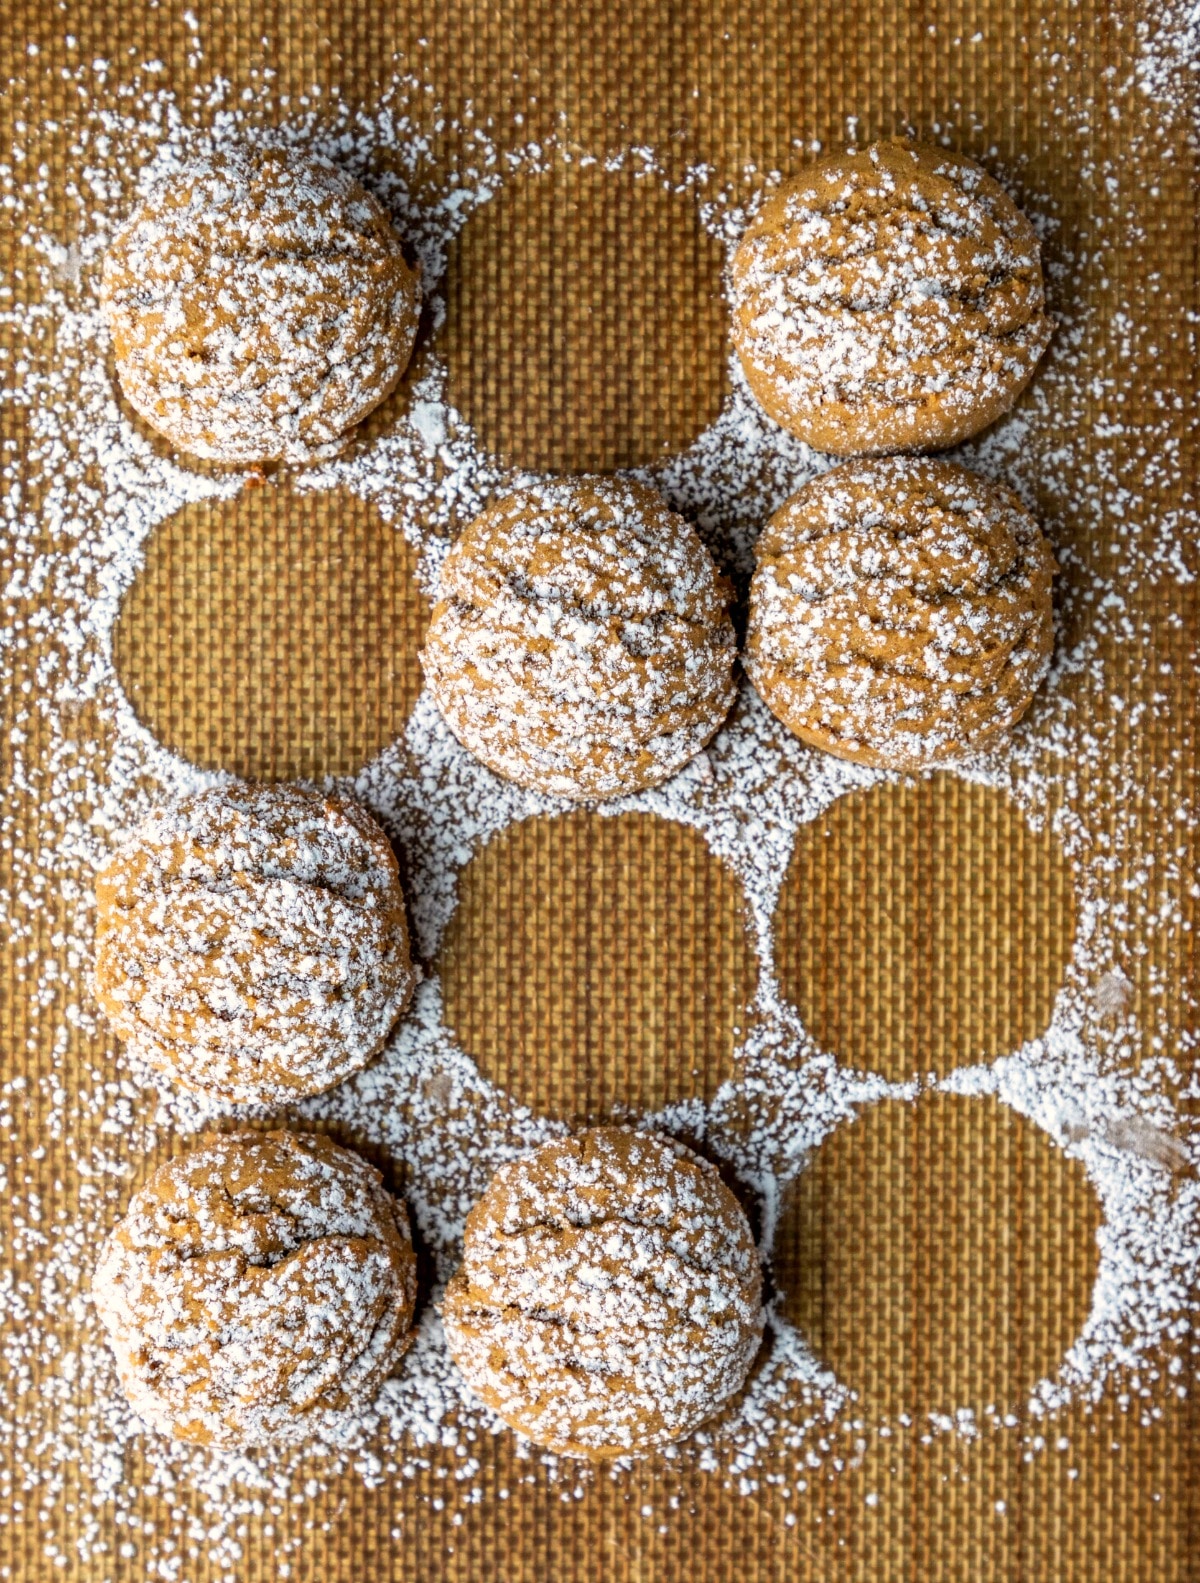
x: 251, y: 941
x: 885, y: 301
x: 251, y: 944
x: 892, y: 301
x: 609, y: 1302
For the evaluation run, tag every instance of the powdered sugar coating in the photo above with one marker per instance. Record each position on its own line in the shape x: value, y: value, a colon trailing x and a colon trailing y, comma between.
x: 256, y: 1284
x: 260, y: 306
x: 581, y: 644
x: 889, y: 300
x: 251, y: 941
x: 1069, y: 761
x: 610, y: 1296
x: 901, y: 612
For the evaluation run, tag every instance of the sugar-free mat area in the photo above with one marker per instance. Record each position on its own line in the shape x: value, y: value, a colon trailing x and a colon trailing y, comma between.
x: 939, y: 1032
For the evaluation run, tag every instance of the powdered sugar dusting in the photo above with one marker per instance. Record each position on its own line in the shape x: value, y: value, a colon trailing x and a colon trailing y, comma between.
x: 256, y: 1287
x: 1106, y: 1081
x: 617, y: 1278
x: 581, y: 642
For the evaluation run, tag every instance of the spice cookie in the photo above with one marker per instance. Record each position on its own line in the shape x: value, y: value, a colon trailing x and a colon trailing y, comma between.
x: 260, y: 306
x: 256, y: 1283
x: 581, y: 643
x: 889, y: 300
x: 610, y: 1294
x: 251, y: 942
x: 901, y: 612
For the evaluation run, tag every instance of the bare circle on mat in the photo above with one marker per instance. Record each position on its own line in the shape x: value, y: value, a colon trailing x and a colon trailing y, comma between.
x: 924, y: 926
x: 939, y: 1254
x: 598, y: 965
x: 274, y: 634
x: 585, y: 320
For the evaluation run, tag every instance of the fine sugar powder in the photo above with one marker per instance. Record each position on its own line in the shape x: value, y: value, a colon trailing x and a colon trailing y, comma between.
x: 89, y: 492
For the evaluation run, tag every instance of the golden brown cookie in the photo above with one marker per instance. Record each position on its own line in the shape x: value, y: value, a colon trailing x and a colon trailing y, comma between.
x: 901, y: 612
x: 251, y: 941
x: 260, y: 306
x: 581, y: 643
x: 256, y: 1283
x: 610, y: 1294
x: 890, y: 300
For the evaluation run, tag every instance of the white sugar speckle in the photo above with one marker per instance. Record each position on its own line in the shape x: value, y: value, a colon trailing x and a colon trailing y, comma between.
x: 1107, y: 1081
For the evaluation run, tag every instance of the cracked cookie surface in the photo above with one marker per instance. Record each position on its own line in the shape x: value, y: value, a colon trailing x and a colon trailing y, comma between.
x: 260, y: 306
x: 251, y: 941
x: 256, y: 1284
x: 610, y: 1295
x: 889, y: 300
x: 581, y: 643
x: 901, y: 612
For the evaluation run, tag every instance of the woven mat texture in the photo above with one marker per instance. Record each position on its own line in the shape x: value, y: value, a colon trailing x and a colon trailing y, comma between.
x: 936, y: 1255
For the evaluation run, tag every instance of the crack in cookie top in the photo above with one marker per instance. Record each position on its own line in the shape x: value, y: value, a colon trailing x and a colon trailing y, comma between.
x: 901, y: 612
x: 251, y: 941
x: 260, y: 306
x: 581, y: 643
x: 889, y: 300
x: 610, y: 1295
x: 256, y: 1283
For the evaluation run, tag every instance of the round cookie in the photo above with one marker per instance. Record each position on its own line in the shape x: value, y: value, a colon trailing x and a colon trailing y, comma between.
x: 901, y: 612
x: 260, y: 306
x: 251, y: 942
x: 581, y: 643
x: 610, y: 1294
x: 256, y: 1284
x: 889, y: 300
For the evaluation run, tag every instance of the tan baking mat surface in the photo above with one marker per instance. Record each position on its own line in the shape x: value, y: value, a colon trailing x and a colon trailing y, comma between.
x: 936, y: 1256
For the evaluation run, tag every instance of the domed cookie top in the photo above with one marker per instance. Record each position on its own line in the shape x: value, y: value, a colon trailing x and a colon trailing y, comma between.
x: 260, y: 306
x: 251, y: 941
x: 581, y: 643
x: 901, y: 612
x: 609, y: 1299
x: 256, y: 1283
x: 889, y: 300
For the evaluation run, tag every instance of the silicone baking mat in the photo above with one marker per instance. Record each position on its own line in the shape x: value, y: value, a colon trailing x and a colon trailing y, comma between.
x: 984, y: 1254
